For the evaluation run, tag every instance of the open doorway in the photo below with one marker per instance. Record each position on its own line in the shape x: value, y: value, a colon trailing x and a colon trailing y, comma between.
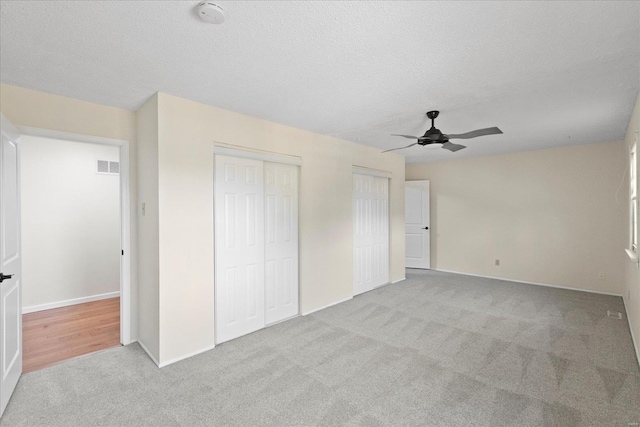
x: 71, y: 249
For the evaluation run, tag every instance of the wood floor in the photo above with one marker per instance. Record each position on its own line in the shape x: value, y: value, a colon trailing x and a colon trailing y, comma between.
x: 51, y: 336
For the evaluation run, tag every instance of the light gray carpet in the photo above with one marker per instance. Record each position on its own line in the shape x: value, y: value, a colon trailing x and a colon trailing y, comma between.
x: 437, y: 349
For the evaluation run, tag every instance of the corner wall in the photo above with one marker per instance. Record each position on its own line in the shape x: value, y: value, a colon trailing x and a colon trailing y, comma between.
x: 549, y: 216
x: 187, y: 133
x: 25, y: 107
x: 148, y: 220
x: 631, y: 272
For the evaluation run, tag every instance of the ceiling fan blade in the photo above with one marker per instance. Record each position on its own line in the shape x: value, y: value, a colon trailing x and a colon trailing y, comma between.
x: 453, y: 147
x: 400, y: 148
x: 475, y: 133
x: 409, y: 136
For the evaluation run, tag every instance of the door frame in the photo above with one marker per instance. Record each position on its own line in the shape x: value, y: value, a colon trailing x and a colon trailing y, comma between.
x: 125, y: 213
x: 224, y: 149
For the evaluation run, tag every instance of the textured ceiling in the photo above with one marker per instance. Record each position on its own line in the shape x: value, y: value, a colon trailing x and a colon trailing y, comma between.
x: 547, y: 73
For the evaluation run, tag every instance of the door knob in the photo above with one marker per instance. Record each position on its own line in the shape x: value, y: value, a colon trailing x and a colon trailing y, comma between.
x: 5, y: 276
x: 426, y: 228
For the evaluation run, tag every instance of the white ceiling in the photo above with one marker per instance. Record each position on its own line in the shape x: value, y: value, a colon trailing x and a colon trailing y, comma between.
x: 547, y: 73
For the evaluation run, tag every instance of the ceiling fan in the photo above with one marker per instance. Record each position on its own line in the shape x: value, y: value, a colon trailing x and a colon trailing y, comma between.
x: 434, y: 136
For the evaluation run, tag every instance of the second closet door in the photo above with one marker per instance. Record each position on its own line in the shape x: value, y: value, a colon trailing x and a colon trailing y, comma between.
x: 370, y: 232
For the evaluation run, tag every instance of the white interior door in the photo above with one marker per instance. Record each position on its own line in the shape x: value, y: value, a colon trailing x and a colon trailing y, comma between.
x: 10, y: 264
x: 370, y: 232
x: 281, y: 241
x: 417, y: 232
x: 380, y: 231
x: 239, y: 247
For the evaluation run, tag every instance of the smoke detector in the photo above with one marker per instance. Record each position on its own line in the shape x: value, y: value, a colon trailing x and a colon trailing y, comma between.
x: 210, y: 12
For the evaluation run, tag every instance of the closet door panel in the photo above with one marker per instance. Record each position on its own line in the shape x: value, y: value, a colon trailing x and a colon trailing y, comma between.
x: 370, y: 232
x: 281, y: 241
x: 380, y: 233
x: 239, y: 247
x: 362, y: 234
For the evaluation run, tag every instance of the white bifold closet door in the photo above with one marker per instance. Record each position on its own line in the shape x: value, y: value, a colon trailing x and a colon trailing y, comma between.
x: 371, y: 232
x: 256, y: 245
x: 281, y: 241
x: 239, y: 247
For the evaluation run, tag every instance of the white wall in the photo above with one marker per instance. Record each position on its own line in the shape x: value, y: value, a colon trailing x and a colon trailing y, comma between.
x: 186, y: 135
x: 148, y: 261
x: 631, y: 286
x: 70, y: 222
x: 25, y: 107
x: 550, y: 216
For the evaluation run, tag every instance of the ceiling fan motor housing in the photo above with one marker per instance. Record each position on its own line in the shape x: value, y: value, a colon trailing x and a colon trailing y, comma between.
x: 433, y: 135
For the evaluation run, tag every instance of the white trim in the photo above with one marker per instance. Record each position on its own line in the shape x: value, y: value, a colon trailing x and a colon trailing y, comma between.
x: 528, y: 283
x: 373, y: 289
x: 248, y: 153
x: 280, y: 321
x: 361, y: 170
x: 385, y: 284
x: 125, y: 242
x: 146, y: 350
x: 633, y: 339
x: 125, y: 214
x: 632, y: 255
x: 68, y: 136
x: 69, y: 302
x: 327, y: 306
x: 186, y: 356
x: 377, y: 287
x: 8, y: 127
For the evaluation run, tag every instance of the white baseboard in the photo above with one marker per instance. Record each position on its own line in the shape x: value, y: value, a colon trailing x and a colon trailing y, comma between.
x: 146, y: 350
x: 69, y: 302
x: 383, y: 285
x: 529, y: 283
x: 326, y: 306
x: 283, y: 320
x: 351, y: 297
x: 186, y: 356
x: 633, y: 338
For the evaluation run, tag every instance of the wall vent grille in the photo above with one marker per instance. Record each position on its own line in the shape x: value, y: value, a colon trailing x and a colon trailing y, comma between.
x: 103, y: 166
x: 107, y: 167
x: 114, y: 167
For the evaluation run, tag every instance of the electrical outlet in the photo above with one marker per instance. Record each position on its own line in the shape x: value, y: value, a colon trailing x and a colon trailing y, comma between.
x: 601, y: 276
x: 498, y: 262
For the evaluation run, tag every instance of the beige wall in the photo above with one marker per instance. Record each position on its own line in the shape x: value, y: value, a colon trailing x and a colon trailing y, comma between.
x: 25, y: 107
x: 550, y: 216
x: 70, y: 222
x: 186, y: 134
x: 631, y: 288
x: 148, y: 267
